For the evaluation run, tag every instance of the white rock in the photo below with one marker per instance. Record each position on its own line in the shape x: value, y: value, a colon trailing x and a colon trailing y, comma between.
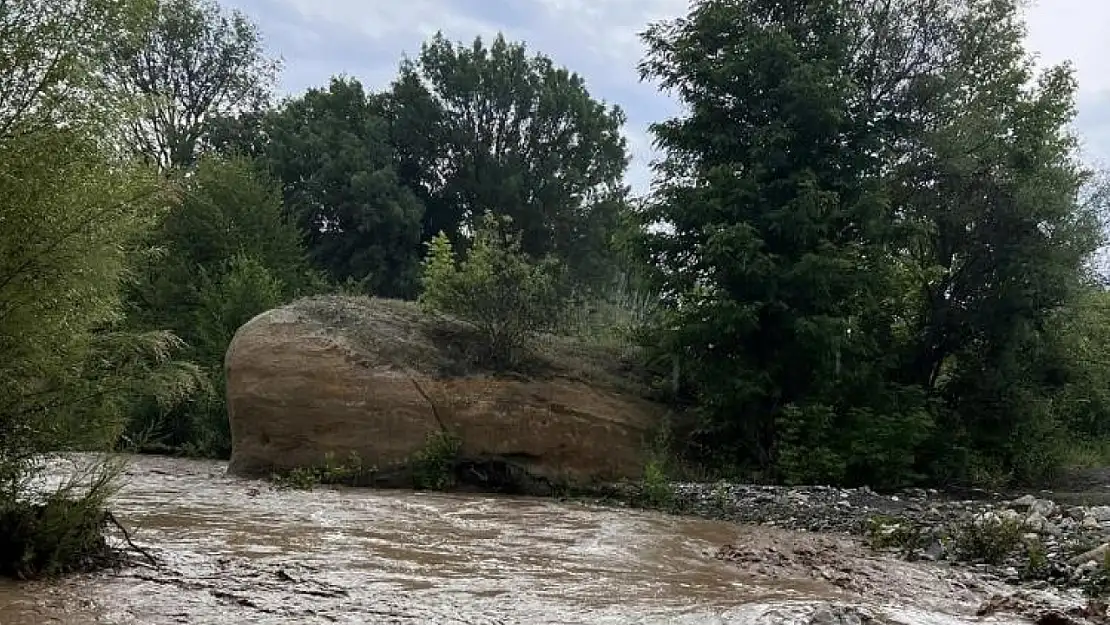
x: 1024, y: 501
x: 1044, y: 507
x: 1036, y: 522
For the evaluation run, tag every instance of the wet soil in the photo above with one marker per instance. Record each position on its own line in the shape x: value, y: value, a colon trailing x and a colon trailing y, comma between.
x: 240, y: 551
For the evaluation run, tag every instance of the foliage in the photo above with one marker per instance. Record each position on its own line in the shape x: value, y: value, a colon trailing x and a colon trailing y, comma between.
x: 48, y: 65
x: 433, y: 466
x: 988, y: 540
x: 74, y: 221
x: 330, y: 150
x: 69, y: 369
x: 775, y: 252
x: 889, y: 533
x: 229, y: 254
x: 872, y: 221
x: 245, y: 288
x: 656, y: 487
x: 62, y: 533
x: 497, y: 288
x: 192, y: 62
x: 350, y: 473
x: 481, y: 128
x: 993, y: 175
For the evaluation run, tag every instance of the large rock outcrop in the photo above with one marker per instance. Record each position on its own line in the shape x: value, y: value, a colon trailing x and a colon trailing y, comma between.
x: 378, y: 377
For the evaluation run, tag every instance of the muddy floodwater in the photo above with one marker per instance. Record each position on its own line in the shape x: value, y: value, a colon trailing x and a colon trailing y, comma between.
x: 238, y: 551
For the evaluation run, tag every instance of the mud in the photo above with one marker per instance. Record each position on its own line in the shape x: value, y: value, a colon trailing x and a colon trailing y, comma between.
x: 240, y: 551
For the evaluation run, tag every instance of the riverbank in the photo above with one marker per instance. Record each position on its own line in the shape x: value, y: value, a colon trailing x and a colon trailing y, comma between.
x: 1031, y: 541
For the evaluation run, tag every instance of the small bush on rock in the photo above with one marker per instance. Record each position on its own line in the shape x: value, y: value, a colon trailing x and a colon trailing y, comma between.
x: 506, y: 295
x: 351, y: 472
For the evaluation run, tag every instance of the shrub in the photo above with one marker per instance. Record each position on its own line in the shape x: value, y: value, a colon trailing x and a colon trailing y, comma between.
x: 506, y: 295
x: 988, y: 539
x: 433, y: 467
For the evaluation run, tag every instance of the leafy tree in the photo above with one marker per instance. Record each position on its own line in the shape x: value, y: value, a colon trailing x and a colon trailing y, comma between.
x: 992, y: 174
x: 330, y: 149
x: 481, y: 129
x: 194, y: 62
x: 874, y: 230
x: 497, y: 288
x: 243, y: 289
x: 774, y: 260
x: 227, y: 238
x: 227, y: 207
x: 73, y: 220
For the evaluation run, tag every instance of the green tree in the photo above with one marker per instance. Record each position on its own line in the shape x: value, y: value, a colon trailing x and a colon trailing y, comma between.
x: 774, y: 260
x: 992, y: 177
x: 74, y: 219
x: 330, y: 149
x: 875, y: 228
x: 193, y: 62
x: 242, y: 289
x: 227, y: 237
x: 480, y: 129
x: 497, y: 288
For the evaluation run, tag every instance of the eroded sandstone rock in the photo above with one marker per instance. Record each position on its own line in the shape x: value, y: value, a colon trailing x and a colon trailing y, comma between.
x: 377, y: 377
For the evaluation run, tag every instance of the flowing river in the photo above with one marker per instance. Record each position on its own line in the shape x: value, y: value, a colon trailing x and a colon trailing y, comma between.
x: 238, y: 551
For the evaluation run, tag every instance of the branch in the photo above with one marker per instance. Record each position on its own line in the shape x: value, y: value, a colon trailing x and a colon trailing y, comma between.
x: 435, y: 410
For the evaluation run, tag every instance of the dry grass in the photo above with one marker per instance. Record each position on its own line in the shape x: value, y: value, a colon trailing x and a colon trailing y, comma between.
x: 391, y: 332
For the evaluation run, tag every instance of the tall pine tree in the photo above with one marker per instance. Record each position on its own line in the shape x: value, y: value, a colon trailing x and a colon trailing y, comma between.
x: 773, y: 254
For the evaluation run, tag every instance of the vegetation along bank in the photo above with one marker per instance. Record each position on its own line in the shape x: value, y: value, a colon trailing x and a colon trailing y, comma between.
x: 868, y: 256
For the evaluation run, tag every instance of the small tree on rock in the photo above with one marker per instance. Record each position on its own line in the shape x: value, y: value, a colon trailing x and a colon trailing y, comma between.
x: 506, y: 295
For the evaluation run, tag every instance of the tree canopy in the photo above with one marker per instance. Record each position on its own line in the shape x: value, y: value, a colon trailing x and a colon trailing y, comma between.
x: 868, y: 234
x: 482, y: 128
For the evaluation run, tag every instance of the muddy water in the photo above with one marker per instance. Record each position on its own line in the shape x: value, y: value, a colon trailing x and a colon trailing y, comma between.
x: 237, y: 551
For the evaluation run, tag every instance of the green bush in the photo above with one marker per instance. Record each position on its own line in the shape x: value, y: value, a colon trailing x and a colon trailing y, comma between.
x: 506, y: 295
x: 61, y: 532
x: 988, y: 540
x: 231, y: 253
x: 433, y: 467
x: 226, y: 302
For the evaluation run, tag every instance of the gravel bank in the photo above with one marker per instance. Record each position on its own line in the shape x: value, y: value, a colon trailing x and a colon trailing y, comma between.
x: 1030, y: 540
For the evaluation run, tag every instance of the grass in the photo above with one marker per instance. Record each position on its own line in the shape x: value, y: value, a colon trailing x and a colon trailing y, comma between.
x: 62, y: 531
x: 393, y: 332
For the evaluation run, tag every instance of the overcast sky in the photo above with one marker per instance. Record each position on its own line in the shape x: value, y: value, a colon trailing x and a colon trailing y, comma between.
x: 597, y: 39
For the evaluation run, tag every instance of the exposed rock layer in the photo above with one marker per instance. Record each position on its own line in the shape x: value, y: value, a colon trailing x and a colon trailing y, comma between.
x: 378, y: 377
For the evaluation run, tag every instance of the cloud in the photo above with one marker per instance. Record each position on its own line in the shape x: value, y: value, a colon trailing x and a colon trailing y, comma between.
x: 1074, y: 31
x: 599, y: 40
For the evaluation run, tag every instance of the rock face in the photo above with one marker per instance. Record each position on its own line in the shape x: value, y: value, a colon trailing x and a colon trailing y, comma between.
x: 378, y: 377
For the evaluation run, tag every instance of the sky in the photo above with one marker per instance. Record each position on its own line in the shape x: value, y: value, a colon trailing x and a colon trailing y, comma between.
x: 366, y: 39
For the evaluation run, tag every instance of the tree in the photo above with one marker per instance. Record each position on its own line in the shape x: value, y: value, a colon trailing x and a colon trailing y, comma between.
x: 74, y: 219
x: 875, y: 227
x: 229, y: 253
x: 192, y: 63
x: 480, y: 129
x: 496, y: 288
x: 774, y: 261
x: 992, y: 174
x: 330, y: 149
x: 227, y: 207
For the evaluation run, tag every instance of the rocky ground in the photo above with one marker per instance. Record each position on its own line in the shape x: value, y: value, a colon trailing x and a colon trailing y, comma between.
x: 1028, y: 541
